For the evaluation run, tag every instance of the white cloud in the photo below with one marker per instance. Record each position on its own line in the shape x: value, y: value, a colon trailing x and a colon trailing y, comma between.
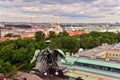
x: 108, y: 10
x: 16, y: 15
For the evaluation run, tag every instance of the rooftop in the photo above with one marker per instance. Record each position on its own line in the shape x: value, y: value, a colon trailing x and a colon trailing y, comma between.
x: 95, y: 51
x: 117, y: 45
x: 95, y: 62
x: 71, y: 65
x: 5, y: 38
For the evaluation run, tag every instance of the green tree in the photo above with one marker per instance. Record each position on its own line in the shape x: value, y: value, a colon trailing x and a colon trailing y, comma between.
x: 16, y: 52
x: 39, y: 36
x: 8, y: 35
x: 17, y: 36
x: 6, y: 67
x: 64, y: 33
x: 52, y: 34
x: 118, y: 37
x: 70, y: 43
x: 21, y: 43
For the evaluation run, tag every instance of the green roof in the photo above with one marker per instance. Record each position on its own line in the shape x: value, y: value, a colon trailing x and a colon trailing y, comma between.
x: 95, y: 62
x: 71, y: 60
x: 83, y: 76
x: 93, y: 70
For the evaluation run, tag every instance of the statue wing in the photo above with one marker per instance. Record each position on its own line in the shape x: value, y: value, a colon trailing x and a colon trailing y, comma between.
x: 42, y: 57
x: 37, y: 52
x: 56, y: 56
x: 59, y: 53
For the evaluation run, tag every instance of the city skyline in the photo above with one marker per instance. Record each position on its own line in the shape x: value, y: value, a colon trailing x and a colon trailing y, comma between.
x: 70, y: 11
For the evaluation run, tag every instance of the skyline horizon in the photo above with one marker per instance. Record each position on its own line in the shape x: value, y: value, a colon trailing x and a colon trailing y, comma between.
x: 60, y: 22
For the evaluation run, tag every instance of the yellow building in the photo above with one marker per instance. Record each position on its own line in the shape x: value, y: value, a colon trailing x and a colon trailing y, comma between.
x: 113, y: 52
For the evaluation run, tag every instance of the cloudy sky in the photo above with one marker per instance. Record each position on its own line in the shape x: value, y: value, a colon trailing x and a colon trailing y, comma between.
x: 75, y: 11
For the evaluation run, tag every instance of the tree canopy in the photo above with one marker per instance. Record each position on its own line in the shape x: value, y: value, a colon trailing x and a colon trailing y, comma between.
x: 16, y: 52
x: 39, y: 36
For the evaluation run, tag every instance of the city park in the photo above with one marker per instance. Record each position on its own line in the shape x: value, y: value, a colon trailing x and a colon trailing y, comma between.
x: 17, y: 54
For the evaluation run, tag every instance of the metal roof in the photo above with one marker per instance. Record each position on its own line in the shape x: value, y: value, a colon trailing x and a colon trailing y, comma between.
x: 113, y: 50
x: 95, y: 51
x: 93, y: 70
x: 117, y: 45
x: 102, y: 63
x: 83, y: 76
x: 95, y: 62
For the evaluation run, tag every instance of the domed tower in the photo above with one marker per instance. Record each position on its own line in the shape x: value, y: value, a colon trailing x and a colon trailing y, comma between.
x: 58, y: 26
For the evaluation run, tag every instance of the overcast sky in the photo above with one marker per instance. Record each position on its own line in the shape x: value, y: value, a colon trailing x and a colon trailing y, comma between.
x: 70, y: 11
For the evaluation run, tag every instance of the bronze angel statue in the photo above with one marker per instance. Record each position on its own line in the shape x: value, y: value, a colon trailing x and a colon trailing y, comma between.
x: 46, y: 58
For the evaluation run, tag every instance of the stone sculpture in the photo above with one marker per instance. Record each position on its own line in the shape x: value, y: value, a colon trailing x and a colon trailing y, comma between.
x: 47, y: 58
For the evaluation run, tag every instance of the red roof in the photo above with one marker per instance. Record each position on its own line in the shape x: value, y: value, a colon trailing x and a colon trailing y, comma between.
x: 1, y: 76
x: 76, y: 32
x: 5, y: 38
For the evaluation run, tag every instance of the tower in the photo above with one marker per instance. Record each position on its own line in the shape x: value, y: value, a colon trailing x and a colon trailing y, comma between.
x: 58, y: 26
x: 52, y: 23
x: 58, y: 20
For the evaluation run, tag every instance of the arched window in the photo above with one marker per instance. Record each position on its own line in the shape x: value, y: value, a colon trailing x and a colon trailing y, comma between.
x: 116, y: 55
x: 107, y: 54
x: 113, y: 54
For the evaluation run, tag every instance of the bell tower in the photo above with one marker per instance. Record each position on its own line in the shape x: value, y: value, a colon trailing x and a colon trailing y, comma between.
x: 58, y: 26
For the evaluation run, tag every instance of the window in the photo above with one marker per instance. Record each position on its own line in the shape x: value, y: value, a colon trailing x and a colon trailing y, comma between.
x: 116, y: 55
x: 97, y: 67
x: 113, y: 54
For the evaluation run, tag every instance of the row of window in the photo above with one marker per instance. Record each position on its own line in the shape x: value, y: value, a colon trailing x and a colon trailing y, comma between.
x: 98, y: 67
x: 112, y: 54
